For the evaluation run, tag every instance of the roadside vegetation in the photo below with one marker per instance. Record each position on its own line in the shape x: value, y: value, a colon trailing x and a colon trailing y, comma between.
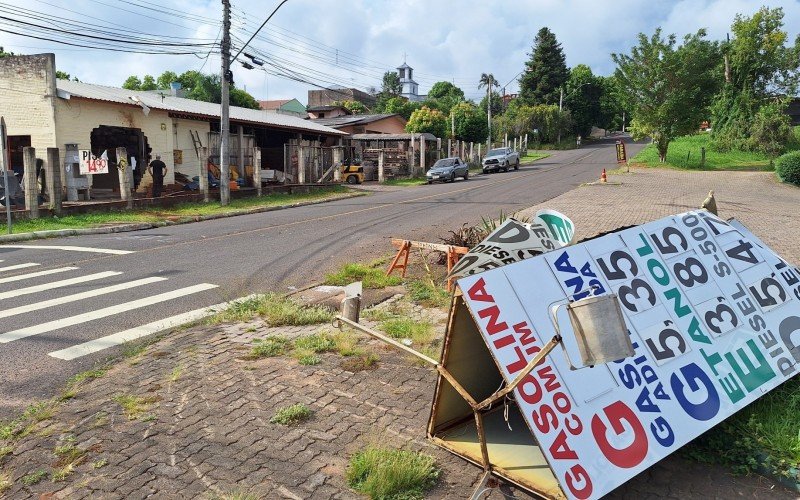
x: 685, y: 153
x: 409, y: 181
x: 787, y: 167
x: 372, y: 275
x: 275, y: 309
x: 183, y: 211
x: 291, y: 415
x: 532, y: 156
x: 383, y: 473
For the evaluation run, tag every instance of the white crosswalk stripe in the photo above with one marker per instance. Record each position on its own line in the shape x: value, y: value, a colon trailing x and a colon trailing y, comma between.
x: 18, y: 266
x: 37, y: 274
x: 57, y: 284
x: 102, y: 313
x: 78, y: 296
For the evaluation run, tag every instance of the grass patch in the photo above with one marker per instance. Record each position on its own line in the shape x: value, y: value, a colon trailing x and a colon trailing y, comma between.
x: 532, y: 157
x: 427, y: 294
x: 269, y: 347
x: 406, y: 181
x: 99, y: 464
x: 5, y: 482
x: 377, y: 314
x: 371, y: 276
x: 306, y: 357
x: 25, y: 423
x: 306, y: 349
x: 346, y: 343
x: 235, y: 495
x: 768, y: 428
x: 360, y: 362
x: 34, y: 477
x: 420, y: 332
x: 63, y: 473
x: 87, y: 375
x: 276, y: 310
x: 69, y: 454
x: 134, y: 406
x: 685, y: 153
x: 176, y: 373
x: 291, y: 415
x: 183, y: 210
x: 382, y: 473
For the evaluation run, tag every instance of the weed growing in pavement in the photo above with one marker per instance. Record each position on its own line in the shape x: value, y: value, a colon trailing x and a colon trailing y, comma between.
x: 100, y: 419
x: 176, y: 373
x: 69, y: 454
x: 63, y: 473
x: 5, y: 450
x: 34, y: 477
x: 306, y: 358
x: 67, y: 394
x: 291, y: 415
x: 385, y: 473
x: 420, y: 332
x: 276, y: 310
x: 269, y: 347
x: 87, y: 375
x: 360, y: 362
x: 235, y: 495
x: 371, y: 276
x: 427, y: 294
x: 131, y: 349
x: 346, y: 343
x: 134, y: 406
x: 377, y: 314
x: 317, y: 342
x: 5, y: 482
x: 99, y: 464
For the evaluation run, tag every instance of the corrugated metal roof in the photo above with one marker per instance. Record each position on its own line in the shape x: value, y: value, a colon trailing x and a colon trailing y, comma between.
x: 391, y: 137
x: 342, y: 121
x: 189, y: 106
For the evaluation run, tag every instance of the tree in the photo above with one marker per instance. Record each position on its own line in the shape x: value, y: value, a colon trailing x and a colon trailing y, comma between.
x: 611, y: 108
x: 397, y: 105
x: 355, y: 107
x: 497, y: 104
x: 771, y: 129
x: 470, y: 122
x: 443, y: 96
x: 427, y: 120
x: 62, y: 75
x: 668, y: 88
x: 3, y: 53
x: 545, y: 72
x: 132, y: 83
x: 490, y: 82
x: 391, y: 84
x: 582, y: 97
x: 760, y: 67
x: 195, y: 85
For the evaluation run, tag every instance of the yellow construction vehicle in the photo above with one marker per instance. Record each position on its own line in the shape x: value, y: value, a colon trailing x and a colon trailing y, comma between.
x: 352, y: 171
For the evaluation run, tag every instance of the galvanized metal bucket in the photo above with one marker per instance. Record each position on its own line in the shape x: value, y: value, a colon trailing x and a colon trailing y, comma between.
x: 599, y: 328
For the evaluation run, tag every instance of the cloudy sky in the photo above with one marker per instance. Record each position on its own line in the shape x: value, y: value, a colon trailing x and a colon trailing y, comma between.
x: 352, y: 42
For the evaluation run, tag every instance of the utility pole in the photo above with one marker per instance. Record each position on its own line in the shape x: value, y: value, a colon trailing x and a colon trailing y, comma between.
x: 489, y: 113
x: 225, y: 124
x: 560, y: 107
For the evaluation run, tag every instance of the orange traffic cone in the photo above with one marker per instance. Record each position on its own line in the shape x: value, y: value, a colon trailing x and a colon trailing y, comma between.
x: 603, y: 177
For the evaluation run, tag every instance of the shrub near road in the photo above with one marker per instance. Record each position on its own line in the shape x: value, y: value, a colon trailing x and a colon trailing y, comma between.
x: 788, y: 168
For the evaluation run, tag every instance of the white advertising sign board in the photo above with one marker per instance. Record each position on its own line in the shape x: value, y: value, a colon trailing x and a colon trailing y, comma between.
x: 90, y: 164
x: 714, y: 318
x: 513, y: 241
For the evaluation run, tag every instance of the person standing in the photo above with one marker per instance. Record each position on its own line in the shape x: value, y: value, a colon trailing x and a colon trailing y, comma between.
x: 158, y: 170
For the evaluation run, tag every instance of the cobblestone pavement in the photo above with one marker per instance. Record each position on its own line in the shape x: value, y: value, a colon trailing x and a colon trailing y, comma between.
x: 204, y: 428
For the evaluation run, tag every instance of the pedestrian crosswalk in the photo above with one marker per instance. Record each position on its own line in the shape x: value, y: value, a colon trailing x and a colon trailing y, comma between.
x: 79, y: 292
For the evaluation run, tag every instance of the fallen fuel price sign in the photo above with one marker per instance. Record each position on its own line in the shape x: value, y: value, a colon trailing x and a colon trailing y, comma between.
x: 713, y: 316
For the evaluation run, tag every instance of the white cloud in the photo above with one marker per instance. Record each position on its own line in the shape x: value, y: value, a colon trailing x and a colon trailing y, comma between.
x: 443, y: 39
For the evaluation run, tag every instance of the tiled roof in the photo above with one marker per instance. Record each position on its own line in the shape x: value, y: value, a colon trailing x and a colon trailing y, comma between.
x: 189, y: 106
x: 274, y: 104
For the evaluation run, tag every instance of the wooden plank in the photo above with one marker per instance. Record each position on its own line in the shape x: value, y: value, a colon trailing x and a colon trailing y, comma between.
x: 430, y: 246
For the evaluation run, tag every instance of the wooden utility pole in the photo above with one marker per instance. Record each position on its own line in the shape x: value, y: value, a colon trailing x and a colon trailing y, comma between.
x: 203, y: 158
x: 4, y: 164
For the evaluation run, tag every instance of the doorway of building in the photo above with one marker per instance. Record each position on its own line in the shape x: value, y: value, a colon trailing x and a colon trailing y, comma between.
x: 16, y: 143
x: 107, y: 139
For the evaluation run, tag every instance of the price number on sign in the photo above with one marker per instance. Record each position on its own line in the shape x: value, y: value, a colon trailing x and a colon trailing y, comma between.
x: 718, y: 316
x: 768, y: 293
x: 665, y: 342
x: 635, y: 294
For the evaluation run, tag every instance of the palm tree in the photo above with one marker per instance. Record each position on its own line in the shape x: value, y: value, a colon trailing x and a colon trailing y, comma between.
x: 488, y: 81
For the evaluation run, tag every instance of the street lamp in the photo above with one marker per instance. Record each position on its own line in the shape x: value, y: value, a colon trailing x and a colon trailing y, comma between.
x: 561, y: 102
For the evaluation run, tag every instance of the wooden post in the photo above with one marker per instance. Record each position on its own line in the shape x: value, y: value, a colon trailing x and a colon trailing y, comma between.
x: 461, y: 147
x: 449, y: 147
x: 203, y: 177
x: 438, y: 149
x: 53, y: 179
x: 422, y: 154
x: 526, y: 144
x: 257, y: 170
x: 380, y: 166
x: 471, y: 152
x: 480, y: 146
x: 301, y: 163
x: 31, y: 191
x: 124, y: 180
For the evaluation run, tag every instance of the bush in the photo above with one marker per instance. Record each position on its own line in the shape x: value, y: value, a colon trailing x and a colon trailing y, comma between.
x: 788, y: 168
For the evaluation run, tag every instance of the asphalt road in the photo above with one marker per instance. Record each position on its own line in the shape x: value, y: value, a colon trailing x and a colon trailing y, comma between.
x: 60, y: 303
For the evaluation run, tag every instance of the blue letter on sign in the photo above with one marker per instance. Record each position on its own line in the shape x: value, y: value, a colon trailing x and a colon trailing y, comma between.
x: 694, y: 374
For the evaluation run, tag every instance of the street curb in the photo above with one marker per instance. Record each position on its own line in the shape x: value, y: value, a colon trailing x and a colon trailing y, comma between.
x: 125, y: 228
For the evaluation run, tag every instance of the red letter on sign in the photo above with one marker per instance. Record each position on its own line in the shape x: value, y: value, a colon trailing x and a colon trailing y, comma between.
x: 478, y: 292
x: 633, y: 454
x: 493, y: 313
x: 577, y: 474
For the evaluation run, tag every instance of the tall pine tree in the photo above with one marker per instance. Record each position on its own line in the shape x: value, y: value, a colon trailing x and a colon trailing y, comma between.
x: 545, y: 72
